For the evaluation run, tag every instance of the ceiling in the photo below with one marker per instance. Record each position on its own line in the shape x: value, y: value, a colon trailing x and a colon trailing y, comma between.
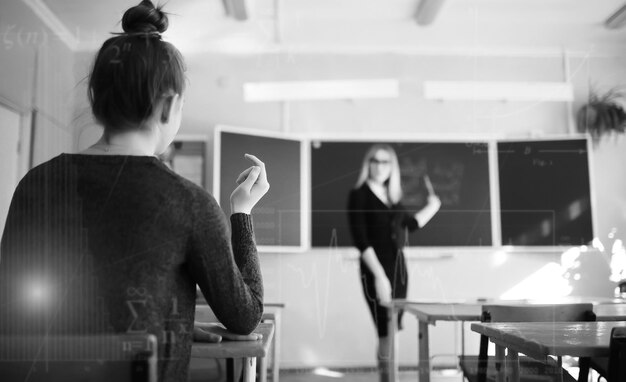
x: 360, y: 25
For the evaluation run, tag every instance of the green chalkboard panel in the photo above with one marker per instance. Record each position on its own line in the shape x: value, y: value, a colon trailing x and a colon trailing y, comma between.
x: 545, y: 197
x: 459, y: 172
x: 277, y: 216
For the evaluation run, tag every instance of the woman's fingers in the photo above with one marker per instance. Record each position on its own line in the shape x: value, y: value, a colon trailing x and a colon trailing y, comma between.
x: 242, y: 337
x: 202, y: 335
x: 252, y: 185
x: 250, y: 178
x: 258, y: 162
x: 244, y: 175
x: 224, y: 333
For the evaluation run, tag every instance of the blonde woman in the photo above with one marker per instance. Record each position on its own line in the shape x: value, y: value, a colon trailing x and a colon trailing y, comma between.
x: 378, y: 222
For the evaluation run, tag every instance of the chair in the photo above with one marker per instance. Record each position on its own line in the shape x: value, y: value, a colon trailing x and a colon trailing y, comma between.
x: 613, y: 368
x: 484, y: 368
x: 94, y: 358
x: 617, y: 359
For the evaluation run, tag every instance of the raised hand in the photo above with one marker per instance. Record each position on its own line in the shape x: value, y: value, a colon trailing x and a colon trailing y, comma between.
x: 252, y: 185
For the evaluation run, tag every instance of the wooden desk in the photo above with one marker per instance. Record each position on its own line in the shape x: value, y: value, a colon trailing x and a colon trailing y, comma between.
x: 610, y: 312
x: 249, y: 351
x: 272, y: 313
x: 542, y: 339
x: 430, y: 312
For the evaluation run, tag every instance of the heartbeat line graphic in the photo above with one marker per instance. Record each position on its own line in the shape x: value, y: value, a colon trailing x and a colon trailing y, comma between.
x: 319, y: 278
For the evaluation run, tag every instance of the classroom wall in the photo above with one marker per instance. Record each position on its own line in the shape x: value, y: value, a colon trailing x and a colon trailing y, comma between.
x: 37, y: 73
x: 325, y: 322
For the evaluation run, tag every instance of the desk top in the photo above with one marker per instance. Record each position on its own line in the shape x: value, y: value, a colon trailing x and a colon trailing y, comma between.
x: 610, y: 312
x: 236, y: 349
x: 274, y: 305
x: 205, y: 314
x: 445, y: 312
x: 471, y: 310
x: 540, y: 339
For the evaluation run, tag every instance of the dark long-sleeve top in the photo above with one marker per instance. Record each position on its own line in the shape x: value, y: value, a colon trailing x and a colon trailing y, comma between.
x: 374, y: 224
x: 116, y: 244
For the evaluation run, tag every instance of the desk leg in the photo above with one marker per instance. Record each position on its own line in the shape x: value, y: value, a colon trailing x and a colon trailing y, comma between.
x: 559, y: 362
x: 424, y: 352
x: 392, y: 329
x: 249, y: 369
x: 500, y: 364
x: 262, y: 369
x: 462, y: 338
x: 276, y: 348
x: 513, y: 361
x: 230, y: 370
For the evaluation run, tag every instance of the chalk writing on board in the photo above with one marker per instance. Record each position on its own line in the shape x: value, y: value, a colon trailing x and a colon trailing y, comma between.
x: 13, y: 36
x: 459, y: 173
x: 544, y: 192
x: 542, y: 162
x: 445, y: 176
x: 478, y: 147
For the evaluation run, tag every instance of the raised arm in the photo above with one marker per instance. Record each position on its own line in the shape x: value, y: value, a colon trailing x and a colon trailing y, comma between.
x: 424, y: 215
x: 225, y: 266
x: 227, y: 271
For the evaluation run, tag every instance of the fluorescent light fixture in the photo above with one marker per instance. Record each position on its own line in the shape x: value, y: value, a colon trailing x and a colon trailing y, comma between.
x: 427, y: 10
x: 499, y: 91
x: 320, y: 90
x: 617, y: 19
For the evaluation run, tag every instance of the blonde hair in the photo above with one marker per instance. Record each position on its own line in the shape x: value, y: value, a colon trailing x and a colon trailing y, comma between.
x: 394, y: 186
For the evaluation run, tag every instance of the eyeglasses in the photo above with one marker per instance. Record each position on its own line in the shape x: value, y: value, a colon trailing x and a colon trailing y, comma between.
x: 379, y: 161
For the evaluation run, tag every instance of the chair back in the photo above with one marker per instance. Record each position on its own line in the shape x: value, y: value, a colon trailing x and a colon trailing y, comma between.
x: 617, y: 358
x: 538, y: 313
x: 532, y: 313
x: 60, y: 358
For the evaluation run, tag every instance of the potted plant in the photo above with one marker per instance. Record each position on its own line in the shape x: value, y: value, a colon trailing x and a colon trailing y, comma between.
x: 603, y: 114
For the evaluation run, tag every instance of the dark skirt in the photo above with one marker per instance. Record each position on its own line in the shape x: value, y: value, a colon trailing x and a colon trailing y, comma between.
x: 398, y: 278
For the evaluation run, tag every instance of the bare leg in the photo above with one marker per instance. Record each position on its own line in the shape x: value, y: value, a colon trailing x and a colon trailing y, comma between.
x: 384, y: 358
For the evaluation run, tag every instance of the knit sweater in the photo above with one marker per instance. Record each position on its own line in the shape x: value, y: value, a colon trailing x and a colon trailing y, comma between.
x: 117, y: 244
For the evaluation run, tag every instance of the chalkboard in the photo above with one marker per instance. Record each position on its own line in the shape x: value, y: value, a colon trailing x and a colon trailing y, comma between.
x: 278, y: 215
x: 544, y: 192
x: 459, y: 173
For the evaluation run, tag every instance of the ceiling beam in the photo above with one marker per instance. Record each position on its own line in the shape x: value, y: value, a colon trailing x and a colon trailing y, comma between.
x: 617, y: 19
x: 427, y: 10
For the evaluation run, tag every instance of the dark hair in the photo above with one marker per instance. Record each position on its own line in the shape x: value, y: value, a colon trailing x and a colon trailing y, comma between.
x: 133, y: 70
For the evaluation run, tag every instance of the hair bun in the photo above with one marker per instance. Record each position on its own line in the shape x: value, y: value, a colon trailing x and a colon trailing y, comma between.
x: 144, y: 18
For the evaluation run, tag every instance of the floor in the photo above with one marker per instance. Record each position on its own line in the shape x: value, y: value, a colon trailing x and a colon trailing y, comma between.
x: 405, y: 376
x: 204, y: 371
